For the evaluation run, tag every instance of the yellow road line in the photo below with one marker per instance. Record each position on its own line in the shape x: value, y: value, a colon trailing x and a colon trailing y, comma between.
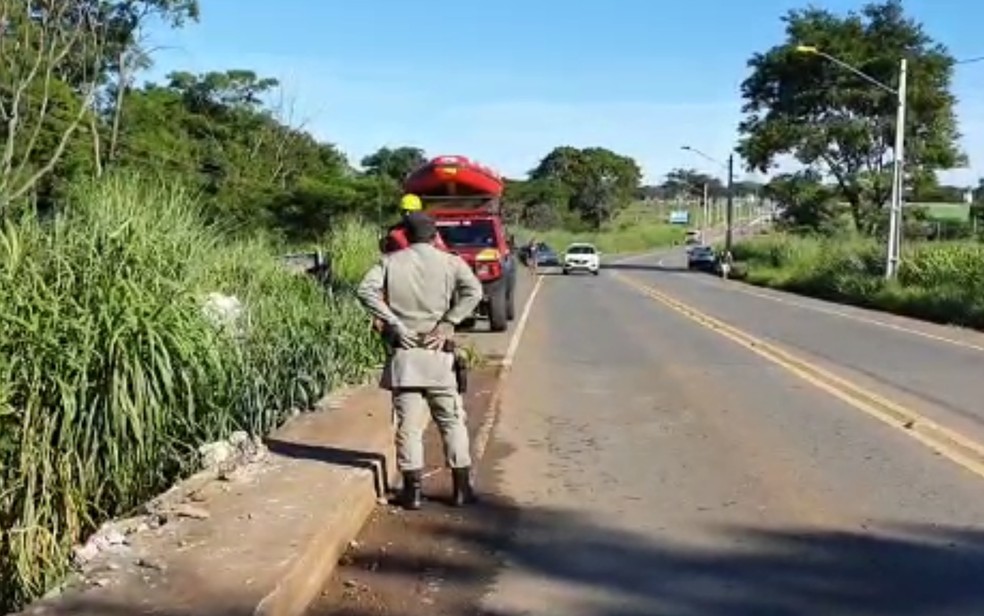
x: 739, y: 287
x: 957, y: 448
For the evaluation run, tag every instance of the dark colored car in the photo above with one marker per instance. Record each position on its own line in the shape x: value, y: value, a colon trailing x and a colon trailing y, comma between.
x: 545, y: 255
x: 701, y: 258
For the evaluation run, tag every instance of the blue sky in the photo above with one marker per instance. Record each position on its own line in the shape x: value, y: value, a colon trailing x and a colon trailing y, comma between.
x: 504, y: 83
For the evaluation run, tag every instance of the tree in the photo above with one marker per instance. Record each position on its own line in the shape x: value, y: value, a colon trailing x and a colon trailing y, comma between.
x: 748, y: 188
x: 57, y: 58
x: 537, y: 204
x: 49, y: 71
x: 838, y: 124
x: 807, y: 203
x: 308, y: 211
x: 126, y: 53
x: 395, y: 164
x: 599, y: 181
x: 215, y: 132
x: 934, y: 192
x: 690, y: 183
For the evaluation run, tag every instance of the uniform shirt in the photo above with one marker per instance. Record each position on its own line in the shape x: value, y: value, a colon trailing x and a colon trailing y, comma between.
x: 416, y: 288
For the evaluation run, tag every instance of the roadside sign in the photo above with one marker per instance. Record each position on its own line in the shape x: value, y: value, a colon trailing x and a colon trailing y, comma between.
x: 680, y: 217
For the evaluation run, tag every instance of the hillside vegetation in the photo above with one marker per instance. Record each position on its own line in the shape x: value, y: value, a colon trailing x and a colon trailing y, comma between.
x: 126, y: 210
x: 127, y: 207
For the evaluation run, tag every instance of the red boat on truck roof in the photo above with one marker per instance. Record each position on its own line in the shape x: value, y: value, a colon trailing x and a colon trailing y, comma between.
x: 464, y: 196
x: 454, y: 175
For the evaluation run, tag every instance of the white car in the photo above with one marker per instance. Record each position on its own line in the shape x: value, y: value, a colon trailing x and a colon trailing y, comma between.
x: 581, y: 257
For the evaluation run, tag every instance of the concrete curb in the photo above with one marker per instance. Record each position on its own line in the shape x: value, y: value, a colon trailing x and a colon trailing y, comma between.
x: 264, y: 546
x: 316, y: 563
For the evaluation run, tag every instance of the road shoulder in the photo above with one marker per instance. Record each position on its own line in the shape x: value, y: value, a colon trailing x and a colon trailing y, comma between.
x: 261, y: 543
x: 434, y: 561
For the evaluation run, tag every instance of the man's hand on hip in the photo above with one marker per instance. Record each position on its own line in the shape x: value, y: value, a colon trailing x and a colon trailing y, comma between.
x: 436, y: 339
x: 401, y: 337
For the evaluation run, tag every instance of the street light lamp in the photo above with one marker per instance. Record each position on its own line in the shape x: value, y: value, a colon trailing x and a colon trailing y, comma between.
x: 729, y: 211
x: 895, y: 208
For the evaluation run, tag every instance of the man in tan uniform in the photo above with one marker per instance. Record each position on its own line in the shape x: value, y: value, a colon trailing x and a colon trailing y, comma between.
x: 420, y: 293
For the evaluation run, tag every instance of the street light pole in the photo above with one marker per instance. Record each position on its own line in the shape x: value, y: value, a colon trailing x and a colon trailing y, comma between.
x: 894, y: 243
x: 898, y: 181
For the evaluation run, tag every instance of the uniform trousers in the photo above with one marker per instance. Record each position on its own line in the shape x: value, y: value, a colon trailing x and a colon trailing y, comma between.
x: 412, y: 408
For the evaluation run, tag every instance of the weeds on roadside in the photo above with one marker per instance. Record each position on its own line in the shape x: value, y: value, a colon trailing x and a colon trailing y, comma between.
x: 111, y: 377
x: 937, y: 281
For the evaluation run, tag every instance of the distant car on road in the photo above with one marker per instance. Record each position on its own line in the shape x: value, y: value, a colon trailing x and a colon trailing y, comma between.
x: 546, y: 256
x: 582, y: 257
x: 701, y: 258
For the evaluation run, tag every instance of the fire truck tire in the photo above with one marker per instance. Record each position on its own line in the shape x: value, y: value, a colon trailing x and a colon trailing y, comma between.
x: 499, y: 310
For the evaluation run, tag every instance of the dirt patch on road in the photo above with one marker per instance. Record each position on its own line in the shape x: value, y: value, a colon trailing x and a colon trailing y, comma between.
x: 430, y: 562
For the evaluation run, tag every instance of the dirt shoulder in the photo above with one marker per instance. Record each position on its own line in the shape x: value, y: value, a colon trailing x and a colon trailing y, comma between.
x: 434, y: 561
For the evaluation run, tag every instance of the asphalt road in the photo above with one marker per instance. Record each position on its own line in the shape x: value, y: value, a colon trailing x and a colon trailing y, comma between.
x: 936, y: 370
x: 659, y: 468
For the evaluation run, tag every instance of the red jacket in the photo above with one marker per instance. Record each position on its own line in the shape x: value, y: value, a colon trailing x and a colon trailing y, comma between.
x: 396, y: 239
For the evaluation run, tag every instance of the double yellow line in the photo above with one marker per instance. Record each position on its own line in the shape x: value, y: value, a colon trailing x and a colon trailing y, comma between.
x: 957, y: 448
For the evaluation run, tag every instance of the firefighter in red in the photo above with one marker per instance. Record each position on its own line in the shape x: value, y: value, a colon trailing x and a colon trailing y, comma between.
x: 396, y: 236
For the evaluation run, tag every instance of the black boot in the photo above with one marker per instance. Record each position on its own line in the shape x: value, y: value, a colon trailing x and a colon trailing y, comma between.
x: 463, y: 492
x: 412, y: 493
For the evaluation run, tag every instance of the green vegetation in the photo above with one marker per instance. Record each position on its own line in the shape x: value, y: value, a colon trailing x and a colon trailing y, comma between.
x: 937, y: 281
x: 840, y: 128
x: 123, y: 206
x: 638, y: 228
x: 122, y: 209
x: 111, y: 374
x: 836, y: 124
x: 594, y: 195
x: 944, y: 211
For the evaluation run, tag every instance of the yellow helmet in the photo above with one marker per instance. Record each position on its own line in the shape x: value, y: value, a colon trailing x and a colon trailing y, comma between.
x: 411, y: 203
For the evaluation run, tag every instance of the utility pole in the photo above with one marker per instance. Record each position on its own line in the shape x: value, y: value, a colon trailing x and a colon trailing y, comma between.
x: 729, y: 213
x: 730, y: 205
x: 706, y: 213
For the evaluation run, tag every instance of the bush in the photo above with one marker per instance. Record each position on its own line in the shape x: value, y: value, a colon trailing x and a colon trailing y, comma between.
x: 111, y: 377
x: 937, y: 281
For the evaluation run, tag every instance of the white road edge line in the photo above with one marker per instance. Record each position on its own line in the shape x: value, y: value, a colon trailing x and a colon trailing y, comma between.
x: 485, y: 430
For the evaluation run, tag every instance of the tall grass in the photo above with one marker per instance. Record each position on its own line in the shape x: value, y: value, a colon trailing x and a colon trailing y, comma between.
x: 354, y: 246
x: 937, y: 281
x: 111, y: 377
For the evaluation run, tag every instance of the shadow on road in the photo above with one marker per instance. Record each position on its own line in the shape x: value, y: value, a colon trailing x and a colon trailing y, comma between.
x: 903, y: 571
